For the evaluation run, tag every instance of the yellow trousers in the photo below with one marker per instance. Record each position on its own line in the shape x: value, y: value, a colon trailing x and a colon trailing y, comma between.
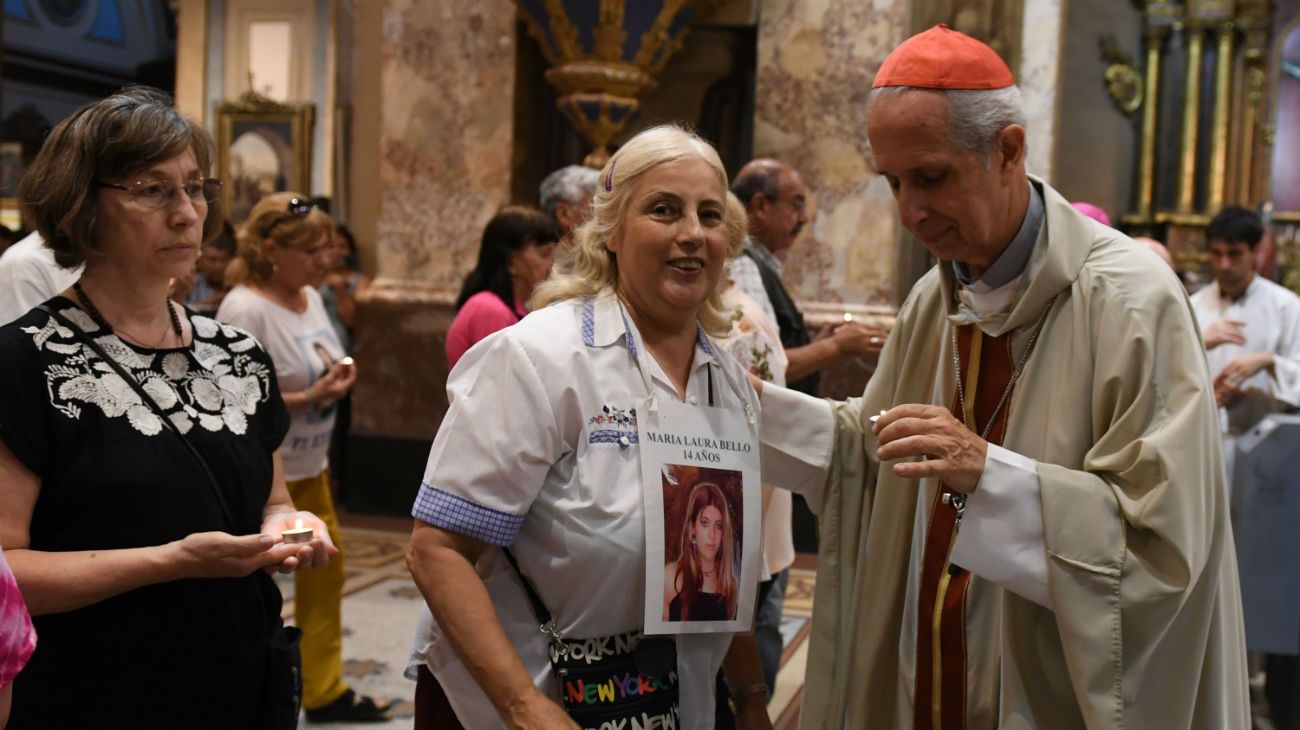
x: 318, y: 598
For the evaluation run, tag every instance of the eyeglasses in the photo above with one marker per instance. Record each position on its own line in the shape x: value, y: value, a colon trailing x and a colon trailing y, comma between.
x: 295, y: 208
x: 153, y: 194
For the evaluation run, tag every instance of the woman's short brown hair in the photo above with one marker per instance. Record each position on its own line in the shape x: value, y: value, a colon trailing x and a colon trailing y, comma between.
x: 113, y: 138
x: 272, y: 220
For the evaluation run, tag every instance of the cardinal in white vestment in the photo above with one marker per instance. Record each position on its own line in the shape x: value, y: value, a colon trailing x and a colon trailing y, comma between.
x: 1024, y: 518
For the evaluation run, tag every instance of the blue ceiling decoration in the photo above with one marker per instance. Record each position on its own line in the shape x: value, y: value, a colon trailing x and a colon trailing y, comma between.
x: 18, y: 9
x: 108, y: 23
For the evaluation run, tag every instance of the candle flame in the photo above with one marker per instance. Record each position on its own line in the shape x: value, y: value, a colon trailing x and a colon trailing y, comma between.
x: 848, y: 316
x: 298, y: 524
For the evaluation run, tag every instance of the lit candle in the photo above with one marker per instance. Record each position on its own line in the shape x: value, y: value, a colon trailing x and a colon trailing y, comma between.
x: 848, y: 316
x: 298, y: 533
x: 875, y: 418
x: 347, y: 361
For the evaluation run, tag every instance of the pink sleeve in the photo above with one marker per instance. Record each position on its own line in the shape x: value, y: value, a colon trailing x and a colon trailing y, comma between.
x: 17, y: 637
x: 483, y: 314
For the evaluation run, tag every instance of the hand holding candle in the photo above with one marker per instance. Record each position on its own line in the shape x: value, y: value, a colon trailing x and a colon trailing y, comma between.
x: 306, y: 534
x: 298, y: 533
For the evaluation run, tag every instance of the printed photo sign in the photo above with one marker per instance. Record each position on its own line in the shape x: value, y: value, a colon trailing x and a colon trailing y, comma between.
x: 703, y: 519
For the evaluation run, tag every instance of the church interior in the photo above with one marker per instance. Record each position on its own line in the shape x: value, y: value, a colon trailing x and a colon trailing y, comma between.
x: 414, y: 122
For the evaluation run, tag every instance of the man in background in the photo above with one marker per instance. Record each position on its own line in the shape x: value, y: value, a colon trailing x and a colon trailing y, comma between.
x: 1251, y: 329
x: 565, y: 195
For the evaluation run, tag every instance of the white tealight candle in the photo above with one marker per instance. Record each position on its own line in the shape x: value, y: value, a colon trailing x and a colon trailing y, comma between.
x: 848, y: 316
x: 347, y: 361
x: 298, y: 533
x: 875, y: 418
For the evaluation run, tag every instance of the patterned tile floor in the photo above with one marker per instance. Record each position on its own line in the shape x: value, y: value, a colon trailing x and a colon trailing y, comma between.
x: 381, y: 605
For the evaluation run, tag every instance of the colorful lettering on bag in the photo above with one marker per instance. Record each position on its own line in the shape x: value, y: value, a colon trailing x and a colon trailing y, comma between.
x: 589, y: 696
x: 573, y: 691
x: 605, y: 691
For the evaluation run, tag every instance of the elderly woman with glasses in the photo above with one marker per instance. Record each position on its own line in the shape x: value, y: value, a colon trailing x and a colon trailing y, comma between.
x: 284, y: 250
x: 142, y: 497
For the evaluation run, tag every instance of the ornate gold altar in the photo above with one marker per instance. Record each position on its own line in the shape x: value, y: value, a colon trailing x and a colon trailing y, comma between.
x: 604, y: 56
x: 1209, y: 91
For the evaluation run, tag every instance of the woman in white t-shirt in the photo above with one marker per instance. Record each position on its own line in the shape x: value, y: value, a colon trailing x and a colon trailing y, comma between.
x: 284, y: 251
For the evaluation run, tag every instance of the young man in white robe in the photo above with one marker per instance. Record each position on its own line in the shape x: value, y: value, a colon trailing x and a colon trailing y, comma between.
x: 1024, y: 518
x: 1251, y: 328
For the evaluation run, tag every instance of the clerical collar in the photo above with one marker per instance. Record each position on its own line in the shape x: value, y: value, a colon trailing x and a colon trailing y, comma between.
x: 1013, y: 260
x: 761, y: 252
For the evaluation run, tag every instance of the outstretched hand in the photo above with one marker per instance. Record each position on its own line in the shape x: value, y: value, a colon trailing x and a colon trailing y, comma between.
x: 951, y: 452
x: 222, y: 555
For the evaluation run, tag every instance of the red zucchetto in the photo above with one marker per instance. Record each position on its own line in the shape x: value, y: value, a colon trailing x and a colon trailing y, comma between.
x: 942, y: 58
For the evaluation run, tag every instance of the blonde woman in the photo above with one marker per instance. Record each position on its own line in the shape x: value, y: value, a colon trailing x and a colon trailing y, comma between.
x: 538, y: 451
x: 284, y: 249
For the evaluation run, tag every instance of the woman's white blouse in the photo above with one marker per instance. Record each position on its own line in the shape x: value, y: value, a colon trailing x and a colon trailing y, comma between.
x: 538, y: 453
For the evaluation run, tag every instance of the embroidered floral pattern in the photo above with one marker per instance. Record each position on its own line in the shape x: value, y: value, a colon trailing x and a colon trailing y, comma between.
x: 611, y: 425
x: 216, y: 385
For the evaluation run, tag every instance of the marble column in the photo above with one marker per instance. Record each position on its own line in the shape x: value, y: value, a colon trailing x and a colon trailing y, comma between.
x: 1039, y: 78
x: 816, y: 60
x: 445, y: 137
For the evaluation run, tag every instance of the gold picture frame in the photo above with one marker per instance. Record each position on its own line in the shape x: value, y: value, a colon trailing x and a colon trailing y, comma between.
x: 263, y: 146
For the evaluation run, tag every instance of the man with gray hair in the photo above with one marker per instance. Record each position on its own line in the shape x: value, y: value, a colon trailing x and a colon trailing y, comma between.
x: 566, y: 197
x: 1025, y: 516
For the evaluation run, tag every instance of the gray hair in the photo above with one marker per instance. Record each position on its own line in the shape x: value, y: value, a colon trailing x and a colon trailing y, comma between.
x: 974, y: 116
x: 567, y: 185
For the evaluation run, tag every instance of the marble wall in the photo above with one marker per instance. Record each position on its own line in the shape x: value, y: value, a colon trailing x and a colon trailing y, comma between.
x: 816, y: 60
x: 445, y: 133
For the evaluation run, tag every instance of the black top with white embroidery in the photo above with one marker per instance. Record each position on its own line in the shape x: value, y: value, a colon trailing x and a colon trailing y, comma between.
x: 187, y: 653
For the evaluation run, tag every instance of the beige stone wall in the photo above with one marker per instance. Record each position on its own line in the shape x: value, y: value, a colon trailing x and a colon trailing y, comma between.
x: 816, y: 60
x: 433, y: 132
x: 445, y: 135
x: 1097, y: 144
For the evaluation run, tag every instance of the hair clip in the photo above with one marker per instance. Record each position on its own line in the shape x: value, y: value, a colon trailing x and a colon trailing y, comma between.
x: 609, y: 177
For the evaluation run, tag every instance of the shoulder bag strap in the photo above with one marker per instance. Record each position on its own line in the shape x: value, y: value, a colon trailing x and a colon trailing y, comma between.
x: 148, y: 399
x: 544, y: 619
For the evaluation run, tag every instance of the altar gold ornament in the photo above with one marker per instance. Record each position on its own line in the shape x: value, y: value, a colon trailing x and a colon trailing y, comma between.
x: 1123, y: 81
x: 604, y: 57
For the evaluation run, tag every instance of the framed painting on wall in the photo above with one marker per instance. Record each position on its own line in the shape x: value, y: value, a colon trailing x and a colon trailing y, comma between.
x: 263, y: 147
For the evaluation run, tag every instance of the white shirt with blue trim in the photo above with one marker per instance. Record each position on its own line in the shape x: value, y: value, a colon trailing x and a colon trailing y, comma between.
x: 538, y: 452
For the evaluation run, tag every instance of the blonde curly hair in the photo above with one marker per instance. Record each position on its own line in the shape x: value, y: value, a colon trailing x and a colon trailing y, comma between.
x: 270, y: 220
x: 590, y: 269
